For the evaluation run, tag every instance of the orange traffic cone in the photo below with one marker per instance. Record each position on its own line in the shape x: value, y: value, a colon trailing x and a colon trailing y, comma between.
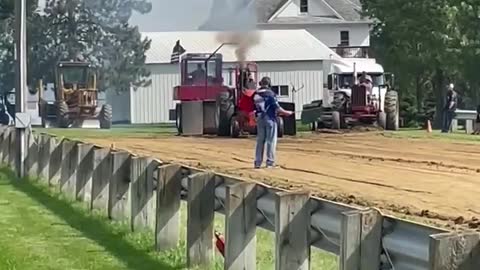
x: 429, y: 126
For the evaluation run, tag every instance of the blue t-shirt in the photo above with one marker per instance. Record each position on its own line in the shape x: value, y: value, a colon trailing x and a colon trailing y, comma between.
x: 266, y: 103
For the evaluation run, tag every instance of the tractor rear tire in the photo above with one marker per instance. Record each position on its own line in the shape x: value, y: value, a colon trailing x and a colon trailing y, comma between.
x: 106, y: 117
x: 224, y: 113
x: 382, y: 120
x: 392, y: 109
x: 336, y: 120
x: 234, y: 127
x: 280, y: 127
x: 62, y: 115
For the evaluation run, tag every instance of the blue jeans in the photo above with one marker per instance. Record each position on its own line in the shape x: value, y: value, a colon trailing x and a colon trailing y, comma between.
x: 266, y: 134
x: 447, y: 120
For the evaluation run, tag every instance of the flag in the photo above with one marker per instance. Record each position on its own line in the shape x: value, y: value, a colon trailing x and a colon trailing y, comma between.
x: 177, y: 51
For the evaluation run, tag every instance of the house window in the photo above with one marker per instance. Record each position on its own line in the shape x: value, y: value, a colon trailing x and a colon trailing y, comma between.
x: 303, y: 6
x: 281, y: 90
x: 344, y: 38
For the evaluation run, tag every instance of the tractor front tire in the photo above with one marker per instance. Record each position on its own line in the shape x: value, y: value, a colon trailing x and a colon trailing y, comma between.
x: 62, y: 115
x: 392, y: 110
x: 280, y: 127
x: 178, y: 118
x: 106, y: 117
x: 336, y: 120
x: 224, y: 113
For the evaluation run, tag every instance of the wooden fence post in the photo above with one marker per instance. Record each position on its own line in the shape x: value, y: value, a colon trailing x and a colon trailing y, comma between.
x: 455, y: 251
x: 31, y: 161
x: 85, y: 173
x: 1, y: 143
x: 167, y: 231
x: 69, y: 166
x: 360, y: 240
x: 44, y: 153
x: 371, y: 239
x: 13, y: 149
x: 240, y: 227
x: 6, y: 146
x: 350, y: 240
x: 55, y: 162
x: 201, y: 213
x: 142, y: 193
x: 118, y: 205
x: 292, y: 231
x: 102, y: 172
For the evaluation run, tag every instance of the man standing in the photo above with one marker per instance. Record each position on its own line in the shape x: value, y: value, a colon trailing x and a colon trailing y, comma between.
x: 449, y: 109
x: 266, y: 110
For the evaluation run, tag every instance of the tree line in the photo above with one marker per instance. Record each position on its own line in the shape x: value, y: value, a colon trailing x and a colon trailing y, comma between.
x: 428, y: 44
x: 89, y: 30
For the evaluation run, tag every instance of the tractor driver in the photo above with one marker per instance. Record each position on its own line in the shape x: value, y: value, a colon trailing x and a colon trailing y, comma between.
x: 366, y: 80
x: 199, y: 74
x: 251, y: 82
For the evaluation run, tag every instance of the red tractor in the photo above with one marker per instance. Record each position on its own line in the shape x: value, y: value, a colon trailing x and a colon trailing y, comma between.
x: 207, y: 106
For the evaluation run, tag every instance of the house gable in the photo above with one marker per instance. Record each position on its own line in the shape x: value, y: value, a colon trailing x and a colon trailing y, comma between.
x: 319, y: 11
x: 315, y: 8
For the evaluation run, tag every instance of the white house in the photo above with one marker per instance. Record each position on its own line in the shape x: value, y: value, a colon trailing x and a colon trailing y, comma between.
x: 336, y: 23
x: 294, y: 60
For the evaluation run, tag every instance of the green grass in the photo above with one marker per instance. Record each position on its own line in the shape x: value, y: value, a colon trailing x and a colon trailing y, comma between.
x: 40, y: 229
x: 435, y: 135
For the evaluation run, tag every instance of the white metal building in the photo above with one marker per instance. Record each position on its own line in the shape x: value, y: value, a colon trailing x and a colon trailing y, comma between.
x: 294, y: 60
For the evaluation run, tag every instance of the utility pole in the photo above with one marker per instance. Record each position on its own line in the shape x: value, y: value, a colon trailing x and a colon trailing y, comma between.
x: 21, y: 122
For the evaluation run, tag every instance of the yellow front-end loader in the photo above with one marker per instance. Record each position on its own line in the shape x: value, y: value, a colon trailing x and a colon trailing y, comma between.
x: 75, y: 103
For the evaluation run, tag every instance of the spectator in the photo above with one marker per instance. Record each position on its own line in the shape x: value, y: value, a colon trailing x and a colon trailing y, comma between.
x: 449, y: 109
x: 477, y: 122
x: 266, y: 110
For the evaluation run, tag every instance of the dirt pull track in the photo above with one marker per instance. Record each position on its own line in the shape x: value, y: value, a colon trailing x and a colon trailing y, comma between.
x: 427, y: 178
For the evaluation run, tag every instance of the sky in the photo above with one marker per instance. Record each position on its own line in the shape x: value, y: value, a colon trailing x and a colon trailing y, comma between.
x: 171, y: 15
